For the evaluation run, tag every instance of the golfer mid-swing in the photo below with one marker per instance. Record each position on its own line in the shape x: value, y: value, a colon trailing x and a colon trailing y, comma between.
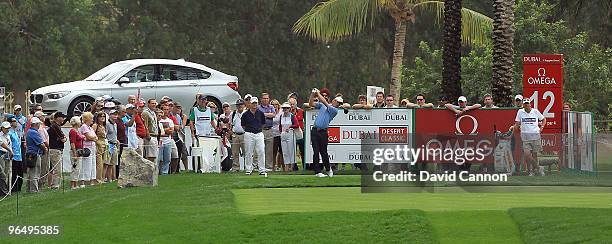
x: 318, y: 133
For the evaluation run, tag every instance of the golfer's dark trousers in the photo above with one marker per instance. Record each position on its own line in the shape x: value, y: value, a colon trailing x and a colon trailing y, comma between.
x: 319, y: 138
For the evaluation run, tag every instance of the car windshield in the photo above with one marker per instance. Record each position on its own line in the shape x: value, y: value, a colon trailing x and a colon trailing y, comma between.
x: 108, y: 73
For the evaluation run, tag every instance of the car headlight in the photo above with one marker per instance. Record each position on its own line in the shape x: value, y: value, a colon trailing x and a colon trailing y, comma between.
x: 57, y: 95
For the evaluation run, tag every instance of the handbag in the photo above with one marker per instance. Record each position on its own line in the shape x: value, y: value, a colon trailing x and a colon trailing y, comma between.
x: 30, y: 160
x: 83, y: 152
x: 299, y: 133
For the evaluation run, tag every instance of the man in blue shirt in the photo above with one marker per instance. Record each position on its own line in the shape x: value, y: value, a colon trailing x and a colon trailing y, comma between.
x: 269, y: 113
x: 18, y: 167
x: 35, y: 147
x: 318, y: 133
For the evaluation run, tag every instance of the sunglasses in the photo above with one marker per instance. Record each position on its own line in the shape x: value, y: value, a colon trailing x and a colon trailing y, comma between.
x: 424, y: 99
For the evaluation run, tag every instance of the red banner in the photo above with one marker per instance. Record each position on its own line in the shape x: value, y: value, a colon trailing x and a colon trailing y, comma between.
x: 440, y: 128
x: 543, y: 84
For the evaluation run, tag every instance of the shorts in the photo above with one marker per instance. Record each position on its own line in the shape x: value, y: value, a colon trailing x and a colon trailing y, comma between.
x: 113, y: 157
x: 76, y: 168
x: 150, y: 148
x: 533, y: 146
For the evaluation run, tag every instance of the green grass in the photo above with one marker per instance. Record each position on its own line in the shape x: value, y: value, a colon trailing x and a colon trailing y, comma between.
x: 564, y: 225
x: 474, y: 227
x: 296, y: 208
x: 266, y: 201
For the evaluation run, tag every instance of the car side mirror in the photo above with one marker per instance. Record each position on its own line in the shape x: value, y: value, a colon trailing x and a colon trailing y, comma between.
x: 123, y: 80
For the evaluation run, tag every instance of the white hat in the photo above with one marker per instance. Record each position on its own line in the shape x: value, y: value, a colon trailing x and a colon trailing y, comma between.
x: 254, y: 100
x: 35, y: 120
x: 6, y: 125
x: 247, y: 95
x: 129, y: 106
x: 526, y: 100
x: 462, y: 99
x: 518, y: 97
x: 113, y: 111
x: 17, y: 107
x: 109, y: 105
x: 285, y: 105
x: 107, y: 97
x: 39, y: 113
x: 339, y: 99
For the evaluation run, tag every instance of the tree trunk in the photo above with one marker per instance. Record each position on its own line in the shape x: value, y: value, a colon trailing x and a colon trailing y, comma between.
x: 451, y: 61
x: 503, y: 51
x: 398, y: 58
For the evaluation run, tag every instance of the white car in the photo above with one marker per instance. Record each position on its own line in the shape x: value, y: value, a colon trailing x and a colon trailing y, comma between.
x: 151, y: 78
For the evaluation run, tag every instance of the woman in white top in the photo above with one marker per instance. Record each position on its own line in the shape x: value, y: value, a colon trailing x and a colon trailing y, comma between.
x: 288, y: 122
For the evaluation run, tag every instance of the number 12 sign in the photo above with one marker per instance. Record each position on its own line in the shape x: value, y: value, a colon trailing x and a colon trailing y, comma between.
x: 543, y: 84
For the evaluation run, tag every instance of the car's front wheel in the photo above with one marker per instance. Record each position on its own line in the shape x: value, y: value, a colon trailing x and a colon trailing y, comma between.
x: 80, y: 106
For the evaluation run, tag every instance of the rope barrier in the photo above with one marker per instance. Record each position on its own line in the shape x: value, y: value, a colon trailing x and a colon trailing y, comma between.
x: 26, y: 180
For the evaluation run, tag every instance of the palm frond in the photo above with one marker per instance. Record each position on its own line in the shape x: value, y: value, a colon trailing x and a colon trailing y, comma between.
x: 475, y: 27
x: 338, y: 19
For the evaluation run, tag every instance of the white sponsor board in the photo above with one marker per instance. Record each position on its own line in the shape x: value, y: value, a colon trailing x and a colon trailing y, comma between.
x: 347, y: 133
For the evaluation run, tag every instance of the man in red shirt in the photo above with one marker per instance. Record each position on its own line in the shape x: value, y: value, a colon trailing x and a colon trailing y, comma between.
x: 141, y: 129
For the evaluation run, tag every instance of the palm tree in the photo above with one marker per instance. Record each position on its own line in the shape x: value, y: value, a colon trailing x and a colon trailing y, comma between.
x: 503, y: 49
x: 335, y: 20
x: 451, y: 58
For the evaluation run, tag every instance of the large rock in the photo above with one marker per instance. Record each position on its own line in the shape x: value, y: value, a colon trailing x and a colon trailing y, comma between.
x: 136, y: 170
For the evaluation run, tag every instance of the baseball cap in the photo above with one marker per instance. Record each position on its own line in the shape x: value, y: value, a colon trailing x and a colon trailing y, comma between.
x: 17, y: 107
x: 113, y: 111
x: 107, y: 97
x: 247, y: 97
x: 99, y: 99
x: 35, y: 120
x: 285, y: 105
x: 254, y: 100
x: 526, y: 100
x: 6, y: 125
x: 203, y: 98
x: 58, y: 115
x: 109, y: 105
x: 239, y: 101
x: 11, y: 119
x: 39, y: 113
x: 462, y: 99
x: 339, y: 99
x: 518, y: 97
x: 225, y: 104
x: 130, y: 106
